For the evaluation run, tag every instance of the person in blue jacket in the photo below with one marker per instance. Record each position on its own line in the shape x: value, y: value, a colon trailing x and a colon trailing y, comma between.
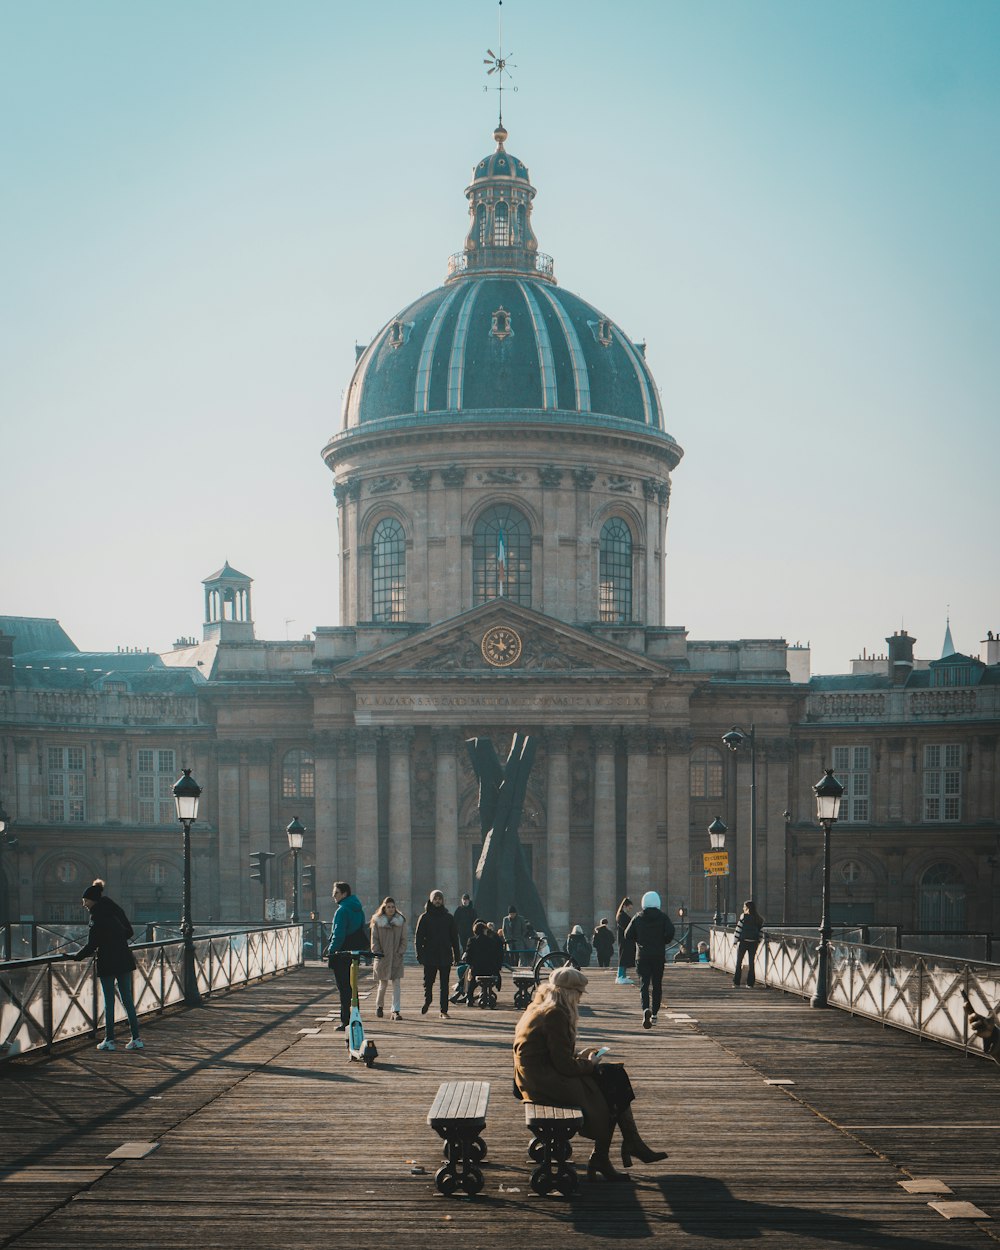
x: 349, y: 934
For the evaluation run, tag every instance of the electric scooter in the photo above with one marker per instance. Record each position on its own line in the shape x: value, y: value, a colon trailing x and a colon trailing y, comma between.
x: 358, y: 1047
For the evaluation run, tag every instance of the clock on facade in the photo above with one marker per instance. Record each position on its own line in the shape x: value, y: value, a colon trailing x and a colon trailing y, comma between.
x: 501, y: 646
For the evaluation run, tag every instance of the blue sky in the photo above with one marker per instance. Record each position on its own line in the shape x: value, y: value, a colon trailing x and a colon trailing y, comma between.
x: 795, y: 204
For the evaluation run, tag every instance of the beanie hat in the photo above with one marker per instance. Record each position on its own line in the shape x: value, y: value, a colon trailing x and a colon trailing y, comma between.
x: 93, y: 892
x: 567, y: 978
x: 651, y: 899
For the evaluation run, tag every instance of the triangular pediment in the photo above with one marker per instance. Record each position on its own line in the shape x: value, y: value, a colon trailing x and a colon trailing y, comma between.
x: 501, y: 638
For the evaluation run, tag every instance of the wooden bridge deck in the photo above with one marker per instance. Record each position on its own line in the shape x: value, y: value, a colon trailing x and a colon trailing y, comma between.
x: 267, y: 1137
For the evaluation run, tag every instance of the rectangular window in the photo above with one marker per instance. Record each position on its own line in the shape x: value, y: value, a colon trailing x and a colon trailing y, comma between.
x: 852, y: 766
x: 67, y: 784
x: 942, y: 787
x: 155, y: 777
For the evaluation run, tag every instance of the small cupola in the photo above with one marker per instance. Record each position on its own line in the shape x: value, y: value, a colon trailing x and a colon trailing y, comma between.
x: 227, y: 606
x: 500, y: 237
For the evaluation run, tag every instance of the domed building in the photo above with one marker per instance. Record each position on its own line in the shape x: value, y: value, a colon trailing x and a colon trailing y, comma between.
x: 502, y: 437
x: 502, y: 481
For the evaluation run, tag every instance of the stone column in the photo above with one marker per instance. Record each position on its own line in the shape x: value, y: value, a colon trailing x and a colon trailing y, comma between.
x: 557, y: 833
x: 325, y: 772
x: 400, y: 822
x: 772, y: 853
x: 894, y: 787
x: 258, y: 834
x: 605, y: 832
x: 112, y: 773
x: 446, y: 815
x: 658, y: 804
x: 366, y: 818
x: 638, y: 839
x: 228, y: 791
x: 678, y: 747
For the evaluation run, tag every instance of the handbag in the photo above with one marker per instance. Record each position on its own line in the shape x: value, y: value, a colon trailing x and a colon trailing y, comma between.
x: 614, y: 1084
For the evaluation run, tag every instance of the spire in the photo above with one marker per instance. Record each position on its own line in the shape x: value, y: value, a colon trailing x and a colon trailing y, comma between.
x: 949, y: 646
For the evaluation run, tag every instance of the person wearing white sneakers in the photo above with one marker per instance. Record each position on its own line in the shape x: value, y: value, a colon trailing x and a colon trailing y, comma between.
x: 626, y: 948
x: 108, y: 939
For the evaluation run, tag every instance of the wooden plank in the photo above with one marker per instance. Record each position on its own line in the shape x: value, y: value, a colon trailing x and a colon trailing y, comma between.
x: 241, y: 1105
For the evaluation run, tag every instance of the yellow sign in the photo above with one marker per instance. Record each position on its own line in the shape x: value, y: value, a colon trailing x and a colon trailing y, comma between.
x: 716, y: 863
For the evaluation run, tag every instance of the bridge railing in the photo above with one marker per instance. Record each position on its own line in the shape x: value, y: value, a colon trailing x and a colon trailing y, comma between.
x: 48, y: 1000
x: 919, y: 993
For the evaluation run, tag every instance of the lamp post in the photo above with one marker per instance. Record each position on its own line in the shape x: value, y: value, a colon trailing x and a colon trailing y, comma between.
x: 735, y: 740
x: 828, y: 793
x: 296, y: 833
x: 186, y: 795
x: 717, y: 831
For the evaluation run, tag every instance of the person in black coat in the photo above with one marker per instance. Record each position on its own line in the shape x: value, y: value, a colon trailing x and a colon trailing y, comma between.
x: 652, y: 932
x: 484, y: 954
x: 746, y: 937
x: 435, y: 941
x: 604, y: 943
x: 108, y: 939
x: 626, y: 947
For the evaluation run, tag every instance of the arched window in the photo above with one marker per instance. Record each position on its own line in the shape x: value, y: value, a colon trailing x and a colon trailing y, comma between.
x: 298, y: 780
x: 481, y: 225
x: 389, y: 571
x: 616, y: 571
x: 942, y: 899
x: 501, y: 556
x: 706, y: 773
x: 501, y: 226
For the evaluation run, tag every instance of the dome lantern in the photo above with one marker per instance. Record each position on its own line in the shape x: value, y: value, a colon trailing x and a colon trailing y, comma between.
x: 500, y: 237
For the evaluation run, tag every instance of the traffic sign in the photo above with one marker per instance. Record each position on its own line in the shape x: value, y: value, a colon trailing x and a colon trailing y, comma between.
x: 716, y: 863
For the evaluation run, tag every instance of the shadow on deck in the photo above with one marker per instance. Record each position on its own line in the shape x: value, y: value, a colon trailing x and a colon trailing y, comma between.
x: 267, y: 1136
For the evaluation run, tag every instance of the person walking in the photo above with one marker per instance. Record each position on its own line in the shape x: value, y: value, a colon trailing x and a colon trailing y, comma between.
x: 108, y: 938
x: 435, y: 940
x: 349, y: 934
x: 465, y: 918
x: 746, y: 936
x: 604, y: 943
x: 626, y: 947
x: 388, y: 935
x: 548, y: 1069
x: 577, y: 947
x: 652, y: 932
x: 515, y: 931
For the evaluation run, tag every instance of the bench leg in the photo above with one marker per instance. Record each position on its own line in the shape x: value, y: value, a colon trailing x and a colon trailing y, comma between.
x: 463, y: 1151
x: 551, y: 1149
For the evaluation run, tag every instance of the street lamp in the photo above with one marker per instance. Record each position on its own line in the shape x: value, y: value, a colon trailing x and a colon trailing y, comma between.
x: 296, y: 834
x: 186, y: 795
x: 828, y: 793
x: 735, y: 740
x: 717, y: 831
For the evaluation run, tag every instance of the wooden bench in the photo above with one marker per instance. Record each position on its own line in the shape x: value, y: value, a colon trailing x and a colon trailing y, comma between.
x: 524, y: 988
x: 458, y: 1115
x: 487, y: 991
x: 551, y: 1149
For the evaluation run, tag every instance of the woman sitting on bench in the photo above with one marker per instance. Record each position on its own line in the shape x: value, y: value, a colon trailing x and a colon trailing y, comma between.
x: 484, y: 955
x: 549, y: 1070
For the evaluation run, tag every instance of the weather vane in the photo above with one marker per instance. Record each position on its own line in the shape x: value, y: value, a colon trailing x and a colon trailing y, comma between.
x: 498, y: 63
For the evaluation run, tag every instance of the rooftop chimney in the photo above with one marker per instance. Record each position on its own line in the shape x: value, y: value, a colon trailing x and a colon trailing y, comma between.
x: 990, y: 653
x: 900, y: 657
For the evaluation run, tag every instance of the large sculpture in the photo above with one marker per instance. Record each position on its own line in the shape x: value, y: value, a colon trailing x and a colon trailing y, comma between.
x: 502, y: 874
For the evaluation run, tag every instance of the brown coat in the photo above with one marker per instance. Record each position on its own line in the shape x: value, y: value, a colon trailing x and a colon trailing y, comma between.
x: 546, y: 1070
x: 388, y: 946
